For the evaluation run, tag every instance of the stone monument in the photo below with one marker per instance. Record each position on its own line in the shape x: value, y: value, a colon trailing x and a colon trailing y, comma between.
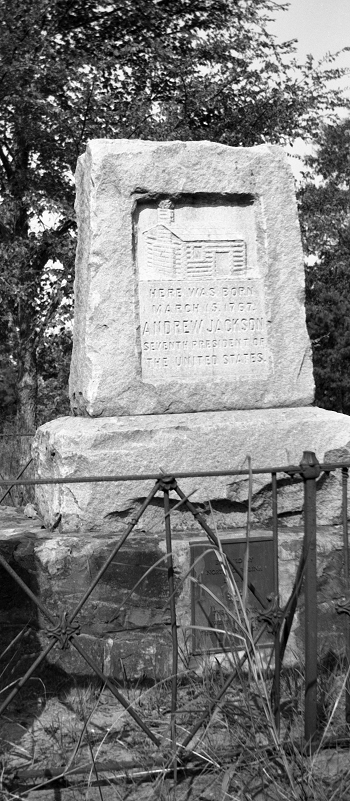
x: 190, y: 343
x: 189, y: 282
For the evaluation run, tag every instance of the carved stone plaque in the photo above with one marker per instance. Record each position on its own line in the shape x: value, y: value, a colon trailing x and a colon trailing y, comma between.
x: 202, y: 310
x: 207, y: 611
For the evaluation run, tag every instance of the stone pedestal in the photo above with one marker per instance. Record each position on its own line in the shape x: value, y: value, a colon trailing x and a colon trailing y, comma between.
x: 129, y: 634
x: 176, y: 443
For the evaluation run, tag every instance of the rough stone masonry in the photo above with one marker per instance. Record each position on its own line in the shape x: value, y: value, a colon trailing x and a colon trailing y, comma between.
x: 190, y: 352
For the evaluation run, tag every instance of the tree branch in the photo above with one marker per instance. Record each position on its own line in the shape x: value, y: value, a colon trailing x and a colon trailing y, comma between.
x: 52, y: 308
x: 85, y: 116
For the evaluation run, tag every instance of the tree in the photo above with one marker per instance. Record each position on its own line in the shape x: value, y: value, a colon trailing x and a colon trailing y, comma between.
x: 325, y: 219
x: 77, y: 69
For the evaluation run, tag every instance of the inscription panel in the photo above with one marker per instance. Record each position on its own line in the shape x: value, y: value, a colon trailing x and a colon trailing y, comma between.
x: 189, y: 330
x: 207, y: 612
x: 201, y: 299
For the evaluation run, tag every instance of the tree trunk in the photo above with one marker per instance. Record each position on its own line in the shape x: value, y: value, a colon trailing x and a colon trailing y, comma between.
x: 27, y: 390
x: 26, y: 414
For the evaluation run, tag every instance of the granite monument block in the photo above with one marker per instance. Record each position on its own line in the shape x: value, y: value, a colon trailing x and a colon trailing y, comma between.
x: 189, y: 289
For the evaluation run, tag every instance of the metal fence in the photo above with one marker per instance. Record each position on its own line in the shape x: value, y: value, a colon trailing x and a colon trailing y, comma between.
x: 63, y: 629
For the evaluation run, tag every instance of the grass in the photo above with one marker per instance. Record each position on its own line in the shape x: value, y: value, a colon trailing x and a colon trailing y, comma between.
x: 238, y: 752
x: 238, y: 746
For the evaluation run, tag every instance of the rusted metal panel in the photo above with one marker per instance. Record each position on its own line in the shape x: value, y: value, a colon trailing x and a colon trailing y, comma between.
x: 210, y: 593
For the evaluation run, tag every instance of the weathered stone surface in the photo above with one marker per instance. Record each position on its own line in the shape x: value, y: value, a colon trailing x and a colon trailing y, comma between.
x: 14, y: 523
x: 125, y: 624
x: 174, y: 443
x: 189, y: 281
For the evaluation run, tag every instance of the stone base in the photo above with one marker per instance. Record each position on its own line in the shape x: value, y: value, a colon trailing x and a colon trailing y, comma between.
x: 126, y: 623
x: 126, y: 628
x: 77, y: 446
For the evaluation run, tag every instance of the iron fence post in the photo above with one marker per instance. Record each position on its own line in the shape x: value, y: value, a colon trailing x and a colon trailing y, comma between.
x: 276, y: 689
x: 166, y: 485
x: 345, y: 476
x: 310, y: 470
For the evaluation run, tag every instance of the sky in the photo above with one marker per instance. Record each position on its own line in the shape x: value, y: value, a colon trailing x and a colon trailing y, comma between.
x: 321, y: 27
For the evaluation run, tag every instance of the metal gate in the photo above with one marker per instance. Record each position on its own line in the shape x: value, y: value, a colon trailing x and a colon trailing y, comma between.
x: 63, y: 630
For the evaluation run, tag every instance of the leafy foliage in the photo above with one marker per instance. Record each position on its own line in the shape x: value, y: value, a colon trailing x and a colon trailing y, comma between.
x: 72, y: 70
x: 325, y: 217
x: 53, y: 363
